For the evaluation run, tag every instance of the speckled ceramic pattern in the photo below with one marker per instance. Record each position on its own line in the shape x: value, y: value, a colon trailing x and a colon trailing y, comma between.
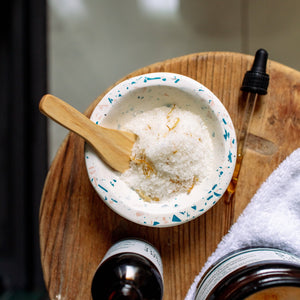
x: 143, y: 93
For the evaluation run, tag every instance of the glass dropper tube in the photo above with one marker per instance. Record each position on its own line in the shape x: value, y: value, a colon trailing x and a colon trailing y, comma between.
x: 255, y: 83
x: 242, y: 139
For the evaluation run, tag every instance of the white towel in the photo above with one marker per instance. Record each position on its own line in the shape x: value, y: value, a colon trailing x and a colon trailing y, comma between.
x: 271, y: 219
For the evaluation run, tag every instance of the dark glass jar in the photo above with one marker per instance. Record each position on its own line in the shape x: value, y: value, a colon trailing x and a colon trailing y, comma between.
x: 131, y: 270
x: 252, y: 274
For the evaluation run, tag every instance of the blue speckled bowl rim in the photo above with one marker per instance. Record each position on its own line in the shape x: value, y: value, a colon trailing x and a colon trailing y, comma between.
x: 118, y: 196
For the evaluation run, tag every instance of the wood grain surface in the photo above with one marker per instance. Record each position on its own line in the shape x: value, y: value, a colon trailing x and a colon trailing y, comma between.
x: 77, y: 228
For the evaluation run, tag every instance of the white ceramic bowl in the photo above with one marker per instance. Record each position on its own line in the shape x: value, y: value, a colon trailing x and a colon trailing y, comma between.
x: 143, y: 93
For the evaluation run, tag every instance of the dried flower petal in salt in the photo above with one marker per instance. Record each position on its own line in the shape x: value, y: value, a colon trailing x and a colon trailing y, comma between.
x: 172, y: 154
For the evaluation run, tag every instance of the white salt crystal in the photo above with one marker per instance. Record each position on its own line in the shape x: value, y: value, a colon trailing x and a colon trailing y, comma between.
x: 172, y: 154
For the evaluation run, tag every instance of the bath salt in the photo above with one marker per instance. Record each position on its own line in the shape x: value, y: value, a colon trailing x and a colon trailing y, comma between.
x: 173, y: 153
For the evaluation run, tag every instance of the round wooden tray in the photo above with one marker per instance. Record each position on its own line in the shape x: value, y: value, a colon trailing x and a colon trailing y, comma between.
x: 77, y: 228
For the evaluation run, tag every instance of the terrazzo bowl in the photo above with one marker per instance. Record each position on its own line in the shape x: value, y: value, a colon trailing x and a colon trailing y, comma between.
x: 143, y: 93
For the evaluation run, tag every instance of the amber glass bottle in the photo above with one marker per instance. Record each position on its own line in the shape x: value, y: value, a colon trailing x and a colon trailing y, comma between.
x: 252, y: 274
x: 131, y: 270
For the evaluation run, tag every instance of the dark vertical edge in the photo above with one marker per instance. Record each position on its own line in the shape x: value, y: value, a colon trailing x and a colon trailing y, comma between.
x: 23, y: 137
x: 37, y: 151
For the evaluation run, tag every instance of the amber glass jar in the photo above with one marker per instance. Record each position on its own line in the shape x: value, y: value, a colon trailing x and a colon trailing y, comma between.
x: 252, y: 274
x: 131, y: 270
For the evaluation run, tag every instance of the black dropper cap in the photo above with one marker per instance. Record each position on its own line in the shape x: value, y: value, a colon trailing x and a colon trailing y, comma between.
x: 257, y: 80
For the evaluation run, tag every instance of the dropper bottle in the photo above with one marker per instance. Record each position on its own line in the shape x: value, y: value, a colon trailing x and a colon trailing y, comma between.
x: 256, y: 82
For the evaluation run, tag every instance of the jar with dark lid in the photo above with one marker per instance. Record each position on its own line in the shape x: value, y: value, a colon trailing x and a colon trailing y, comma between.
x: 252, y: 274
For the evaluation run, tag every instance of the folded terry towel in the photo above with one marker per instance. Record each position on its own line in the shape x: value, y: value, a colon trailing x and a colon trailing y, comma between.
x: 271, y: 219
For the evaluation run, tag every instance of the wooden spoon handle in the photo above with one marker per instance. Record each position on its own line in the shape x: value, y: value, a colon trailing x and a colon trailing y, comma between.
x: 113, y: 146
x: 67, y: 116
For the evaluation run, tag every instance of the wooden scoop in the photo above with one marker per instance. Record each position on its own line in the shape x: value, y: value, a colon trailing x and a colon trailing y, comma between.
x: 113, y: 146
